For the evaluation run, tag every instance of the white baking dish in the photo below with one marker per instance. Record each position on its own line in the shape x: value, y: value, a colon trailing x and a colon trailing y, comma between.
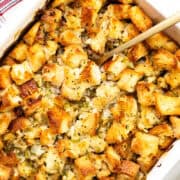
x: 11, y: 25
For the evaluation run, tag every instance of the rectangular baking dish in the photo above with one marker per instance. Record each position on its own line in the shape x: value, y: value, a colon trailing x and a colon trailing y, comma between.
x: 167, y: 168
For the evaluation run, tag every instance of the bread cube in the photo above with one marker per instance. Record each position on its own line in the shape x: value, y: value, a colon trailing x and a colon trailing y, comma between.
x: 114, y: 67
x: 74, y: 56
x: 167, y: 105
x: 5, y: 172
x: 21, y: 73
x: 36, y: 56
x: 140, y: 19
x: 145, y: 144
x: 173, y: 78
x: 137, y: 52
x: 5, y: 78
x: 47, y: 136
x: 59, y: 120
x: 163, y: 59
x: 128, y: 80
x: 57, y: 3
x: 175, y: 121
x: 30, y: 36
x: 160, y: 40
x: 145, y: 93
x: 20, y: 52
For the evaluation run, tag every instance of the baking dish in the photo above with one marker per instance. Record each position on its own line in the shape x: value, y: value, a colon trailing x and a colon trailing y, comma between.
x: 170, y: 158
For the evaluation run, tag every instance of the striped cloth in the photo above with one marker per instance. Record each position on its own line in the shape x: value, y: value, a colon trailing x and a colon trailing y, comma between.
x: 5, y: 5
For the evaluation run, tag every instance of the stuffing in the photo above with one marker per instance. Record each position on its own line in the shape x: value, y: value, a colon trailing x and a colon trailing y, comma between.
x: 145, y: 144
x: 5, y: 120
x: 137, y: 52
x: 85, y: 167
x: 148, y: 118
x: 36, y: 57
x: 53, y: 73
x: 129, y: 168
x: 30, y: 37
x: 70, y: 37
x: 5, y: 172
x: 5, y: 78
x: 74, y: 56
x: 167, y: 105
x: 175, y: 121
x: 9, y: 98
x: 173, y: 78
x: 160, y: 40
x: 145, y: 93
x: 116, y: 133
x: 59, y: 120
x: 140, y: 19
x: 113, y: 158
x: 163, y: 59
x: 91, y: 74
x: 20, y: 52
x: 128, y: 80
x: 21, y: 73
x: 114, y: 67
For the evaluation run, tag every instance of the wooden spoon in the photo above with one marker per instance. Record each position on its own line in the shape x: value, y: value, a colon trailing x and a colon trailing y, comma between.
x: 155, y: 29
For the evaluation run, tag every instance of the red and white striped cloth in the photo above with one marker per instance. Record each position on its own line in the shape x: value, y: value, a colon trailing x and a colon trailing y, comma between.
x: 5, y: 5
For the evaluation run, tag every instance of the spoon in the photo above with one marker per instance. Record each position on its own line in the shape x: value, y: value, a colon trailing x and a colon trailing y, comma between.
x: 155, y: 29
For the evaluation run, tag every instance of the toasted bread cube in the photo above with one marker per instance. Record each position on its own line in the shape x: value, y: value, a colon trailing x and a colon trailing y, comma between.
x: 175, y: 121
x: 116, y: 27
x: 128, y: 80
x: 91, y: 74
x: 116, y: 133
x: 113, y: 158
x: 173, y: 78
x: 163, y: 59
x: 85, y: 167
x: 165, y: 134
x: 73, y: 92
x: 70, y: 37
x: 29, y: 88
x: 9, y: 99
x: 50, y: 48
x: 30, y: 36
x: 5, y: 172
x: 21, y: 73
x: 130, y: 32
x: 167, y: 105
x: 120, y: 11
x: 160, y: 40
x: 114, y: 67
x: 137, y: 51
x: 140, y: 19
x: 53, y: 74
x: 47, y: 137
x: 36, y: 57
x: 5, y: 119
x: 5, y: 79
x: 20, y: 52
x: 8, y: 159
x: 88, y: 17
x: 129, y: 168
x: 148, y: 118
x: 145, y: 144
x: 20, y: 123
x: 74, y: 56
x: 59, y: 120
x: 145, y: 93
x: 98, y: 42
x: 57, y: 3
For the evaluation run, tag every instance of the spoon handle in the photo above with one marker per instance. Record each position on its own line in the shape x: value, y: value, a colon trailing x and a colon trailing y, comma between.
x: 155, y: 29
